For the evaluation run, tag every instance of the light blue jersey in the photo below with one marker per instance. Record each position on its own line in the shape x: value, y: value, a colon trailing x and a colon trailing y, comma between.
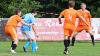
x: 30, y: 19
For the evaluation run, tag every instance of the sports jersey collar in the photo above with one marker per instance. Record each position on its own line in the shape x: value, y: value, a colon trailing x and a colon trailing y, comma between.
x: 84, y: 10
x: 70, y: 8
x: 30, y: 13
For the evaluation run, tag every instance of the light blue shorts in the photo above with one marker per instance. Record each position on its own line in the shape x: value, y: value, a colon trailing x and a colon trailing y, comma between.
x: 28, y: 34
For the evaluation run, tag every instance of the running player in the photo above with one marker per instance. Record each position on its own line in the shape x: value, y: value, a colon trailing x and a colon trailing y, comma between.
x: 10, y: 28
x: 82, y: 26
x: 29, y: 31
x: 70, y: 16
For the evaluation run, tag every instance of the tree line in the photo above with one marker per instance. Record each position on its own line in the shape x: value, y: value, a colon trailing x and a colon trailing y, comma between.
x: 45, y: 8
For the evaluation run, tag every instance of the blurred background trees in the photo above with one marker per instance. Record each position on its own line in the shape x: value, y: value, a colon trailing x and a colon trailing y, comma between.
x: 7, y: 7
x: 45, y: 8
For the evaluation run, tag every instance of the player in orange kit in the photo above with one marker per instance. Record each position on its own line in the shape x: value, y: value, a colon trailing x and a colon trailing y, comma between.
x: 70, y: 23
x: 10, y: 28
x: 82, y: 26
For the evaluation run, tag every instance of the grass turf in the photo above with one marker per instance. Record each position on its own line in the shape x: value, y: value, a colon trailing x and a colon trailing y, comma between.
x: 52, y: 49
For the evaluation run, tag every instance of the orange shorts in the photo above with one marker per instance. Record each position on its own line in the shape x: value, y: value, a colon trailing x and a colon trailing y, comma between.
x: 69, y: 30
x: 10, y: 31
x: 80, y: 28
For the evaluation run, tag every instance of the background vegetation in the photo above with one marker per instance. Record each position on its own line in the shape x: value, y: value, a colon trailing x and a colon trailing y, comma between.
x: 45, y: 8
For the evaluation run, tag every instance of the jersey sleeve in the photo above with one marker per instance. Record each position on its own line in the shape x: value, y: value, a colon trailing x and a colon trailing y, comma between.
x: 78, y: 14
x: 26, y: 18
x: 89, y: 15
x: 62, y: 13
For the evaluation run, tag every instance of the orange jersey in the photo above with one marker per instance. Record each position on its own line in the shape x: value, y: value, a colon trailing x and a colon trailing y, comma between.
x: 13, y: 20
x: 10, y: 26
x: 70, y: 17
x: 82, y: 26
x: 86, y: 15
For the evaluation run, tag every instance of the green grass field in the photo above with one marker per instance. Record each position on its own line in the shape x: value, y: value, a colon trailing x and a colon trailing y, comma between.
x: 52, y: 49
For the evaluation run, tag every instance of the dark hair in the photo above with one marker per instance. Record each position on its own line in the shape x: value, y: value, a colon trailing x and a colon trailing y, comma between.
x: 17, y: 11
x: 33, y: 11
x: 71, y: 3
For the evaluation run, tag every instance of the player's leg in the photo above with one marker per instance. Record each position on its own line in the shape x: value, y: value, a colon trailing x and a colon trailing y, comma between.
x: 66, y: 44
x: 66, y: 40
x: 12, y: 43
x: 79, y: 29
x: 27, y: 44
x: 12, y: 33
x: 7, y: 33
x: 34, y: 43
x: 92, y: 37
x: 31, y: 36
x: 14, y: 38
x: 74, y: 39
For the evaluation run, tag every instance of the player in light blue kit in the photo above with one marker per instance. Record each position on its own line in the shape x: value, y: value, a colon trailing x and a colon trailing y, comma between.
x: 29, y: 31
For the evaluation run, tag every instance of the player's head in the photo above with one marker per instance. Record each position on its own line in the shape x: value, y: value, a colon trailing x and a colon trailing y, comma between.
x: 83, y: 6
x: 71, y: 4
x: 18, y: 12
x: 34, y: 12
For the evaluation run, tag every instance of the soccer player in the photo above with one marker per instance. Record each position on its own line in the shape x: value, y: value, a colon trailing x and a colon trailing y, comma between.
x: 29, y: 31
x: 10, y: 28
x: 70, y: 24
x: 82, y: 26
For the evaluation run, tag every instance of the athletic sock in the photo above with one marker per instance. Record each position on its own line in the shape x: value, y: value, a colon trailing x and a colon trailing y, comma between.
x: 27, y: 44
x: 73, y: 41
x: 14, y: 46
x: 92, y: 38
x: 66, y: 44
x: 34, y: 45
x: 12, y: 43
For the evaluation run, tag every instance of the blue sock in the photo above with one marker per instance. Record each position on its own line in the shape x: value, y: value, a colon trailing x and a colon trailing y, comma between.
x: 27, y: 44
x: 34, y: 45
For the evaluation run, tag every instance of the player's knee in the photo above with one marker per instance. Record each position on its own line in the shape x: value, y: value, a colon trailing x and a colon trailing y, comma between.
x: 67, y: 37
x: 16, y: 41
x: 91, y: 33
x: 74, y: 35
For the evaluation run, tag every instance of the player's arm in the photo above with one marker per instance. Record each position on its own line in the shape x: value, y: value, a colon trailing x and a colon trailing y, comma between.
x: 84, y: 20
x: 89, y: 16
x: 79, y: 16
x: 19, y: 19
x: 33, y: 20
x: 23, y: 22
x: 33, y: 27
x: 59, y: 18
x: 76, y: 22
